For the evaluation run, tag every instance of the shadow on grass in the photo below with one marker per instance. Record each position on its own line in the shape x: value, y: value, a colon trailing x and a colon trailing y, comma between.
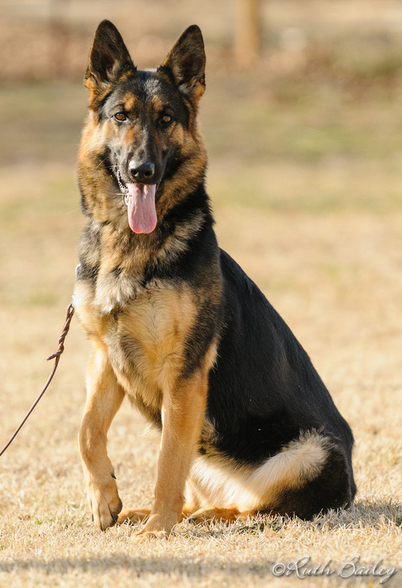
x: 362, y: 514
x: 344, y: 574
x: 187, y: 565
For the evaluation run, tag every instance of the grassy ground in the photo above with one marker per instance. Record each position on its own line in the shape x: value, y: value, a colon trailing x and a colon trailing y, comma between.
x: 306, y: 183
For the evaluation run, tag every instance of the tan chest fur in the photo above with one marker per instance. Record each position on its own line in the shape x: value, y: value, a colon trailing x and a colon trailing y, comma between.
x: 145, y: 339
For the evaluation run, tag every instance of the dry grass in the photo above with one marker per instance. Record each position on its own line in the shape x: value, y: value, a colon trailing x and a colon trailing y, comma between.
x: 317, y: 223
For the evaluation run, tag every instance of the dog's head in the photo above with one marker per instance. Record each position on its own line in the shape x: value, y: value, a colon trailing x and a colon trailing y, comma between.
x: 141, y: 139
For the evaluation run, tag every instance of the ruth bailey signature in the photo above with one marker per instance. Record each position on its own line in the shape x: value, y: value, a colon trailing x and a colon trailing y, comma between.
x: 303, y: 568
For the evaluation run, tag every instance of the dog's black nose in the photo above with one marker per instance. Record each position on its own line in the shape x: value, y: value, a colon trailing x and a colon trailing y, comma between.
x: 143, y: 172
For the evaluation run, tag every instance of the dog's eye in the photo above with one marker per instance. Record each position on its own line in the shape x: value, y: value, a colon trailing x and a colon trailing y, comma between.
x: 166, y: 119
x: 120, y: 117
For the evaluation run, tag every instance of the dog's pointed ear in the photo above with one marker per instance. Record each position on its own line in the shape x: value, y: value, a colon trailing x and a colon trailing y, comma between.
x: 186, y: 63
x: 109, y: 58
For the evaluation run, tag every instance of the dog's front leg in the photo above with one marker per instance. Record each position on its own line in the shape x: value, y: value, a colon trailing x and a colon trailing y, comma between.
x: 104, y: 397
x: 182, y: 417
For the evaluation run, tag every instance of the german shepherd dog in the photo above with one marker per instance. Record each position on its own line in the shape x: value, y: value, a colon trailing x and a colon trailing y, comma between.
x: 246, y: 423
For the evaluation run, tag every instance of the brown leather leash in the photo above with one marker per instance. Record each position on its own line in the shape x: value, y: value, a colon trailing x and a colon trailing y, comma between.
x: 56, y: 356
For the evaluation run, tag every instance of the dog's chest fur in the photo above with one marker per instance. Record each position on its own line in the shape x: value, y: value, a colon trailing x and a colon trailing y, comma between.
x: 144, y: 329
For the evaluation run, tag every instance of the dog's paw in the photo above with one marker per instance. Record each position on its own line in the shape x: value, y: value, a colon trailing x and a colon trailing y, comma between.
x: 105, y: 504
x: 157, y: 526
x: 144, y: 536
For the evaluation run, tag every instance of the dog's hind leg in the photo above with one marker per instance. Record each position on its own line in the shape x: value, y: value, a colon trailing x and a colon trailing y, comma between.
x: 133, y: 515
x: 214, y: 513
x: 308, y: 476
x: 104, y: 397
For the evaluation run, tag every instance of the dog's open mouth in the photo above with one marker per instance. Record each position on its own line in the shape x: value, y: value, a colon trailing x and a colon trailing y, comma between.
x: 140, y: 202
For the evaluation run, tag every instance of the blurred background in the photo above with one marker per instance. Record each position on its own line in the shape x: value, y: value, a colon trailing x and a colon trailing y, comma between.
x: 303, y: 123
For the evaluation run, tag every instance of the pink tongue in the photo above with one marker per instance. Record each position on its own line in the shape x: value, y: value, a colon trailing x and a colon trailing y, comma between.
x: 141, y: 207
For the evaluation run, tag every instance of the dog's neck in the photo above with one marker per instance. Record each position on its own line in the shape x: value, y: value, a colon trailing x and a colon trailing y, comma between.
x: 120, y: 263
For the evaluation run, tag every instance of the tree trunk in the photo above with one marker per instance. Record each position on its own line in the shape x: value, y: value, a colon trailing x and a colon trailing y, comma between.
x: 248, y: 32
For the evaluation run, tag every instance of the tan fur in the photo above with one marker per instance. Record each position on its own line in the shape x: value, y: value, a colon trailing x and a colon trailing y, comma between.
x: 220, y: 483
x: 104, y: 397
